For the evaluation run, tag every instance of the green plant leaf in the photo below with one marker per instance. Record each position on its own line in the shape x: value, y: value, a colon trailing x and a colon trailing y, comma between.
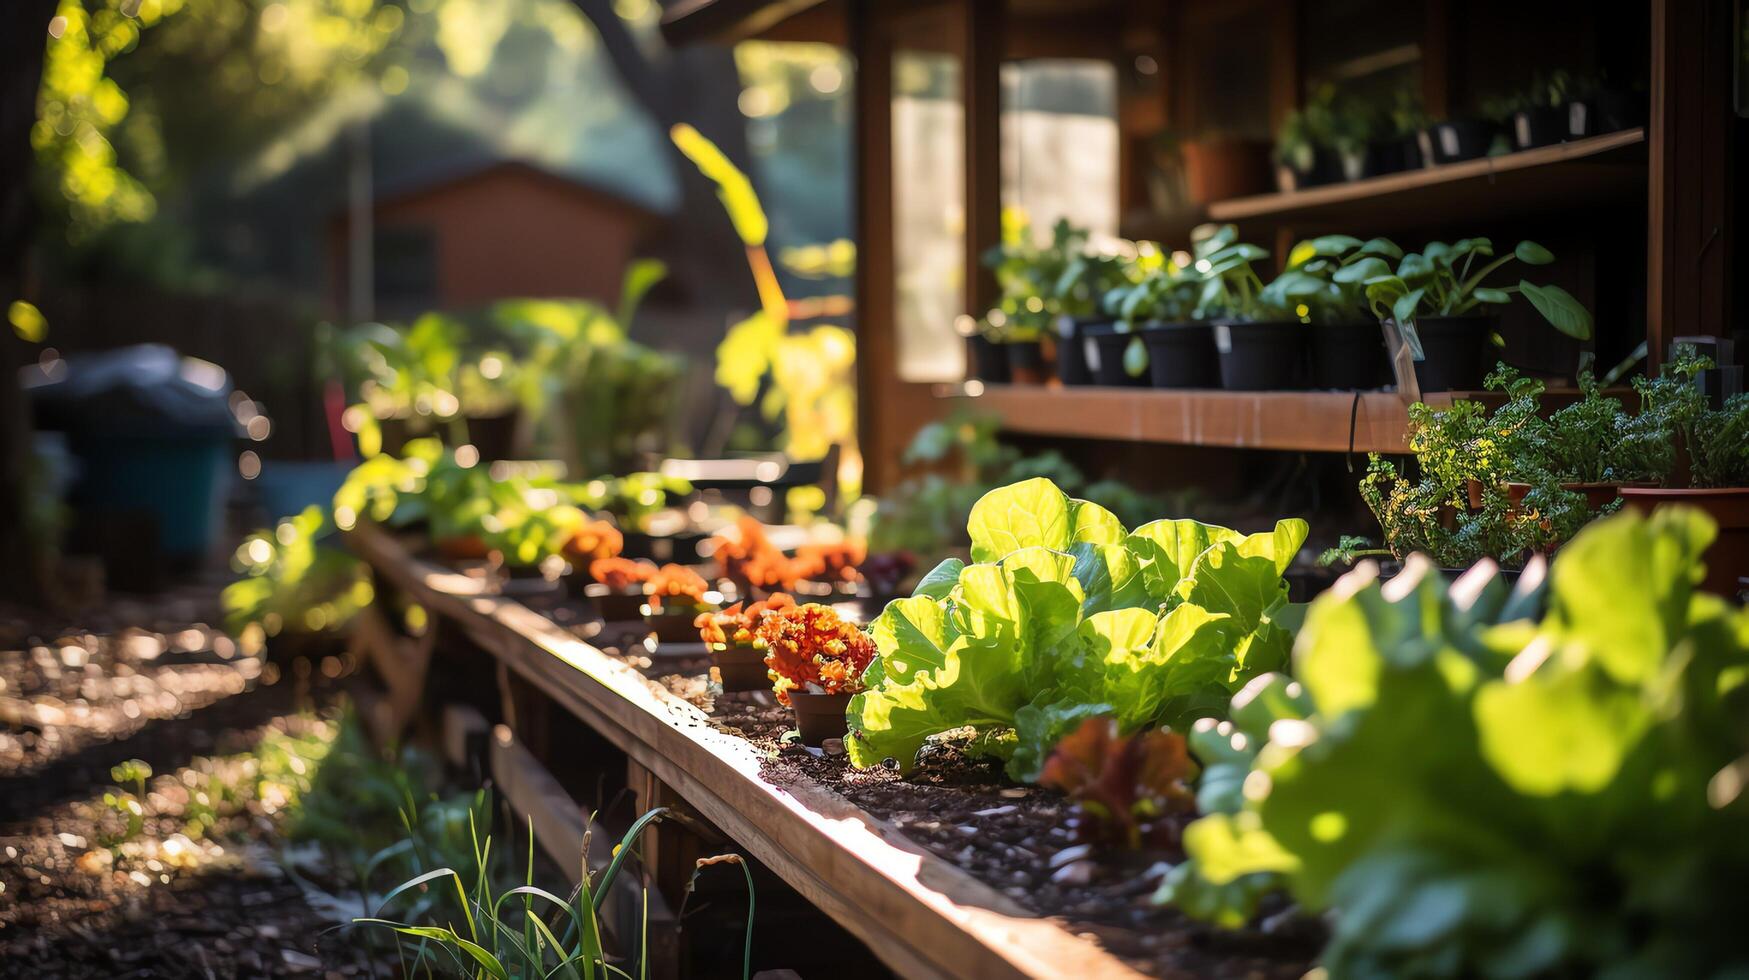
x: 1530, y: 253
x: 1558, y: 306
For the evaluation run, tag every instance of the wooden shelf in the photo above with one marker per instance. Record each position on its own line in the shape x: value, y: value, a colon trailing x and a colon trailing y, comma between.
x: 1306, y: 421
x: 1607, y: 169
x: 922, y: 915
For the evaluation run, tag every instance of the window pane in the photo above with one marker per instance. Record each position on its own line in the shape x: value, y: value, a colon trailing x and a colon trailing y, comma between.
x: 1060, y: 142
x: 929, y: 214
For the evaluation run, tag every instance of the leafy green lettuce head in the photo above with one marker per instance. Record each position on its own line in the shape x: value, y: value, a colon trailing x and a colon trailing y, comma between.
x: 1475, y: 791
x: 1066, y: 615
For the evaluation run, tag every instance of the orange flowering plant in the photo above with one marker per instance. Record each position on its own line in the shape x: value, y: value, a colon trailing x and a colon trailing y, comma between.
x: 738, y: 626
x: 621, y: 574
x: 677, y: 586
x: 594, y: 541
x: 811, y: 649
x: 835, y: 562
x: 748, y: 556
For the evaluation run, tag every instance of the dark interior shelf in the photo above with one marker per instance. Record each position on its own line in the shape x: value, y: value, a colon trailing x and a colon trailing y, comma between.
x: 1599, y: 170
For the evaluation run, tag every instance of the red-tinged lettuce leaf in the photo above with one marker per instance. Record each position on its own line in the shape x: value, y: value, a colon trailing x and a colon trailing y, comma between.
x: 1129, y: 791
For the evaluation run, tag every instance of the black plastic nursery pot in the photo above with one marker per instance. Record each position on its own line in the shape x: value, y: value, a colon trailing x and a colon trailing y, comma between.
x: 819, y: 716
x: 741, y: 668
x: 615, y: 607
x: 1267, y: 356
x: 1072, y: 366
x: 1026, y: 362
x: 1104, y: 347
x: 1543, y: 125
x: 1182, y: 355
x: 1349, y: 356
x: 682, y: 547
x: 989, y: 360
x: 1612, y: 110
x: 1393, y: 156
x: 1458, y: 352
x: 674, y: 627
x: 1456, y: 140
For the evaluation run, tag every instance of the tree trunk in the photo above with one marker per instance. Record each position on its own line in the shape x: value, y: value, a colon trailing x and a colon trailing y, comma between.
x: 701, y: 86
x: 22, y: 45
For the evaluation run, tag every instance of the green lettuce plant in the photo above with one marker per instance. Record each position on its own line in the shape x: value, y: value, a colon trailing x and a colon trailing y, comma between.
x: 1474, y: 788
x: 1065, y: 615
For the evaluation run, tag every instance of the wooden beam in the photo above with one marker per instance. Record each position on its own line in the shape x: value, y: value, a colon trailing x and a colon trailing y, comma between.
x: 981, y: 27
x: 1688, y: 235
x: 871, y: 180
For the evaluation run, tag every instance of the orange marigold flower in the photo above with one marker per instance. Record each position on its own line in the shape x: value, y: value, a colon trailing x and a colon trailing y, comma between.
x: 621, y: 574
x: 676, y: 584
x: 595, y: 540
x: 739, y: 623
x: 810, y: 648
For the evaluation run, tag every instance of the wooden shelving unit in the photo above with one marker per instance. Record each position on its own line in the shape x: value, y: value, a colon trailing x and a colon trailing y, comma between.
x: 1305, y: 421
x: 1610, y: 168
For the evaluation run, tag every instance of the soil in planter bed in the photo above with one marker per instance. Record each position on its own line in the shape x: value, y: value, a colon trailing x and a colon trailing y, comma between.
x: 1012, y: 838
x: 1008, y: 836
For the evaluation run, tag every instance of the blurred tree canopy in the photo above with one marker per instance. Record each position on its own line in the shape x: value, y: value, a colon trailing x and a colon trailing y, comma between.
x: 224, y: 73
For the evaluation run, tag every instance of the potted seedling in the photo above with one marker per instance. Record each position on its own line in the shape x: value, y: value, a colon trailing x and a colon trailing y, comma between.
x: 674, y: 598
x: 1702, y: 454
x: 1457, y: 140
x: 1324, y: 286
x: 732, y: 636
x: 1301, y: 156
x: 1399, y: 146
x: 1082, y: 292
x: 1259, y: 346
x: 1180, y: 351
x: 1028, y: 275
x: 1443, y: 307
x: 816, y: 660
x: 1545, y: 114
x: 618, y: 589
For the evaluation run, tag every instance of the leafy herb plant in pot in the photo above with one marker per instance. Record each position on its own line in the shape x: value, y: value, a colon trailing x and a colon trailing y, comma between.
x: 1260, y: 347
x: 1442, y: 306
x: 1324, y: 287
x: 618, y: 589
x: 1180, y: 351
x: 676, y: 595
x: 732, y: 635
x: 1703, y: 454
x: 817, y: 660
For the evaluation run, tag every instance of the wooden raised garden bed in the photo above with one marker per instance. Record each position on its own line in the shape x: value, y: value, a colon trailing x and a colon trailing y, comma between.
x: 837, y: 841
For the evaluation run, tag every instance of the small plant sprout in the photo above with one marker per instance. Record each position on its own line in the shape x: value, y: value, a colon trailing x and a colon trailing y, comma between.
x: 740, y: 862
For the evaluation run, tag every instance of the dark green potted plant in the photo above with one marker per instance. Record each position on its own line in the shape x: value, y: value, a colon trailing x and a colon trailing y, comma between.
x: 1442, y: 306
x: 1179, y: 349
x: 1082, y: 294
x: 1029, y: 277
x: 1261, y: 348
x: 1324, y: 287
x: 1702, y: 456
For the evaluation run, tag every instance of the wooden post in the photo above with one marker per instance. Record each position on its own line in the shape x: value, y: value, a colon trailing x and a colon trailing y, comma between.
x: 1688, y: 237
x: 983, y: 35
x: 872, y: 179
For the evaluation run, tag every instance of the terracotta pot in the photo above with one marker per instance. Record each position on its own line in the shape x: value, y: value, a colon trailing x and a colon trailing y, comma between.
x: 1477, y: 493
x: 1216, y: 169
x: 741, y: 668
x: 819, y: 716
x: 1728, y: 558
